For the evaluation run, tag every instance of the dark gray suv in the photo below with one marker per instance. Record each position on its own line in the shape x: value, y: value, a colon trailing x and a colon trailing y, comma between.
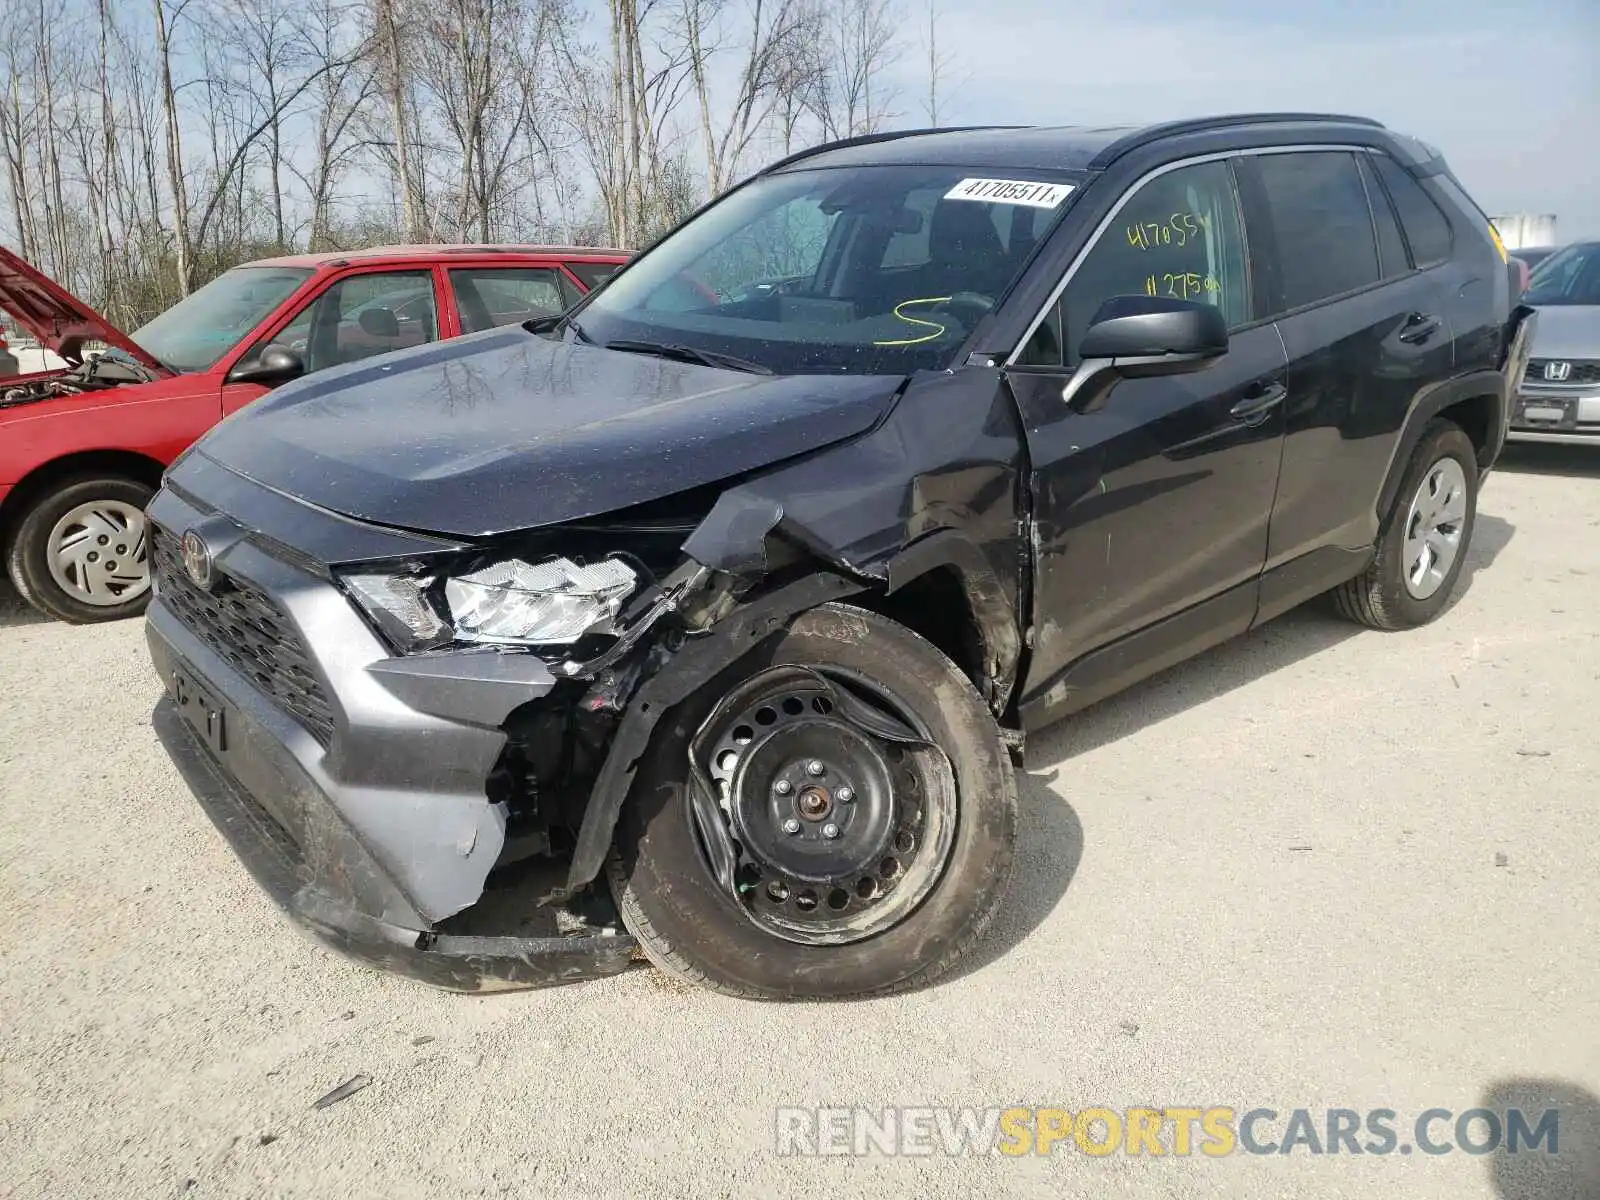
x: 708, y: 618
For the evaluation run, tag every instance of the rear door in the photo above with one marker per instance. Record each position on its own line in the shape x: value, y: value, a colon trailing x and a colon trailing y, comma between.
x: 489, y: 295
x: 1151, y: 500
x: 1364, y: 328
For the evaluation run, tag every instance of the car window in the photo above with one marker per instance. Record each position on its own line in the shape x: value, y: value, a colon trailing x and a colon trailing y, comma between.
x: 363, y: 315
x: 865, y: 269
x: 198, y: 331
x: 1426, y: 228
x: 1321, y: 222
x: 1179, y: 235
x: 491, y: 296
x: 1570, y: 276
x: 593, y: 274
x: 1392, y: 256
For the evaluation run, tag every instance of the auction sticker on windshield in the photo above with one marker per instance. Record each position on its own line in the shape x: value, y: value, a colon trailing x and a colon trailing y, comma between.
x: 1011, y: 191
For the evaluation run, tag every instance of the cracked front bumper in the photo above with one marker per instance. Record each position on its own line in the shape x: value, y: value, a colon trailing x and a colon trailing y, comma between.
x: 350, y: 782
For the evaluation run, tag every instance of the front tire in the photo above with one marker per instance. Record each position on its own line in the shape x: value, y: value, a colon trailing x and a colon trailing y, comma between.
x: 80, y: 553
x: 840, y: 893
x: 1424, y: 542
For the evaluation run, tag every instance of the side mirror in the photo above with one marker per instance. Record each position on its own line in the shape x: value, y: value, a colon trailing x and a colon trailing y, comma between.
x: 275, y: 364
x: 1154, y: 335
x: 1142, y: 336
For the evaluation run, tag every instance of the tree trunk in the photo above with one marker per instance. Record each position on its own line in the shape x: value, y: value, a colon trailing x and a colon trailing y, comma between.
x: 180, y: 198
x: 397, y: 112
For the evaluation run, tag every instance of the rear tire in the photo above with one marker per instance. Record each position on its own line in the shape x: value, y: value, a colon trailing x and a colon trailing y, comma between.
x: 692, y: 927
x: 48, y: 557
x: 1425, y: 539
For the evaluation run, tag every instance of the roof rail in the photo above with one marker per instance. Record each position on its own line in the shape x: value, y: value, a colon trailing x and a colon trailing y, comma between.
x: 866, y: 139
x: 1154, y: 133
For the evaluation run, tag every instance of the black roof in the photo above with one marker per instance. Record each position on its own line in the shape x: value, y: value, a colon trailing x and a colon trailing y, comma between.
x: 1062, y: 147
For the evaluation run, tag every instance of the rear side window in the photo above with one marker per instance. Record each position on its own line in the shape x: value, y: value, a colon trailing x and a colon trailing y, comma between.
x: 1321, y: 222
x: 492, y: 296
x: 1392, y: 257
x: 1427, y: 229
x: 592, y: 274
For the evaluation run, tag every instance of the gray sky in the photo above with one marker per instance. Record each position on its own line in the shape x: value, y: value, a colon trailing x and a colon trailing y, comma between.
x: 1509, y: 92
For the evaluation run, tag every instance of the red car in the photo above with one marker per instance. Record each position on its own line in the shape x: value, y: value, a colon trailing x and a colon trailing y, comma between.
x: 82, y: 449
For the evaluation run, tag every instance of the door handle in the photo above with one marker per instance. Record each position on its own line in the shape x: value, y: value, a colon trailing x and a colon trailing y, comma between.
x: 1253, y: 409
x: 1419, y: 327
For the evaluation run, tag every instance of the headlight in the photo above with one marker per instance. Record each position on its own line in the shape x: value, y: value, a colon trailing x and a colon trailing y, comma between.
x: 400, y: 607
x: 547, y: 603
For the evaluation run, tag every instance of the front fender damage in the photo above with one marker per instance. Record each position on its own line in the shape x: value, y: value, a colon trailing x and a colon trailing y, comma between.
x: 699, y: 660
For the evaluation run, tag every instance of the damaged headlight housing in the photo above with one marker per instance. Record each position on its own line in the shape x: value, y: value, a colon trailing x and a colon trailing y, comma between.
x: 553, y: 602
x: 548, y: 603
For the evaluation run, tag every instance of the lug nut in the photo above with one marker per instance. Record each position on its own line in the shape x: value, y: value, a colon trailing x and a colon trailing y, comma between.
x: 830, y: 830
x: 783, y: 787
x: 793, y: 826
x: 844, y: 795
x: 815, y: 767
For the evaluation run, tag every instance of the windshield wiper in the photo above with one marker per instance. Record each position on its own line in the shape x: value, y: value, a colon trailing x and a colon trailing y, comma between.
x: 704, y: 358
x: 556, y: 323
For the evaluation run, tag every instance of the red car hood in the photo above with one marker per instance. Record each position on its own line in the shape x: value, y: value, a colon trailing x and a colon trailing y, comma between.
x: 60, y: 321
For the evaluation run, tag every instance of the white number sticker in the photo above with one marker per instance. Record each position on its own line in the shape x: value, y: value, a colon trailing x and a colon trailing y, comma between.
x: 1011, y: 191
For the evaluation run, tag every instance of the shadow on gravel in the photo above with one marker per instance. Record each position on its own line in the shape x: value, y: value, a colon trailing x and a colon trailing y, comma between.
x: 1050, y: 832
x: 14, y: 611
x: 1532, y: 458
x: 1050, y: 846
x: 1573, y: 1171
x: 1490, y: 535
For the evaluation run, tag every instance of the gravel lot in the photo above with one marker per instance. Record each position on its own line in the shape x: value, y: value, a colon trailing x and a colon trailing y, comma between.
x: 1317, y: 867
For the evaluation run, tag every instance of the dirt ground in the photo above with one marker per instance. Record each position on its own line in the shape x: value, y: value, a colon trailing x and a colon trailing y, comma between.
x: 1317, y: 867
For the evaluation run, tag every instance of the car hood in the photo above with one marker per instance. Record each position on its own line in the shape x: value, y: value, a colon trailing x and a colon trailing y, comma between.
x: 60, y: 321
x: 508, y: 430
x: 1570, y: 331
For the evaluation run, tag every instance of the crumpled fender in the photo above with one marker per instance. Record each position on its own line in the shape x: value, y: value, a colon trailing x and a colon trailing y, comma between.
x: 700, y: 660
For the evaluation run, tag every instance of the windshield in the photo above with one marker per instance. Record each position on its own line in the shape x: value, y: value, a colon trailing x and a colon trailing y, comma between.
x: 865, y: 270
x: 1570, y: 276
x: 198, y: 330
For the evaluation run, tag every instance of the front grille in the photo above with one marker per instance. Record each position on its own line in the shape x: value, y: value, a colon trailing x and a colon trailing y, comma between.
x: 246, y: 629
x: 1582, y: 372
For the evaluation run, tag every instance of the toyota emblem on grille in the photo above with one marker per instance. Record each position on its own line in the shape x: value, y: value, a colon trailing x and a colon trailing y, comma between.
x: 197, y: 559
x: 1556, y: 372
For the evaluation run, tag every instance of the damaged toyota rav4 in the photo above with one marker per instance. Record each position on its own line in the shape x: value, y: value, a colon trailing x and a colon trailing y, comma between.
x: 709, y: 618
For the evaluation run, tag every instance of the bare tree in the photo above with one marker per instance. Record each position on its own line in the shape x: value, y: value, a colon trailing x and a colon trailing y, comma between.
x: 165, y: 140
x: 939, y: 65
x: 770, y: 43
x: 394, y: 86
x: 851, y: 92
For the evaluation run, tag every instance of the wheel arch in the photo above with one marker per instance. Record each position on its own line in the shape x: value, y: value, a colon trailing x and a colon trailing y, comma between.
x: 127, y: 463
x: 942, y: 587
x: 1475, y: 402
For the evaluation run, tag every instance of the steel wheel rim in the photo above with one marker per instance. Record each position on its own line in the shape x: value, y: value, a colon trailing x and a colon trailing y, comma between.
x: 1434, y: 526
x: 98, y: 553
x: 854, y: 867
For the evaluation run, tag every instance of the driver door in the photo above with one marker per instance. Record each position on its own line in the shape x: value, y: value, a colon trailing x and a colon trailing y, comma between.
x: 357, y: 315
x: 1151, y: 496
